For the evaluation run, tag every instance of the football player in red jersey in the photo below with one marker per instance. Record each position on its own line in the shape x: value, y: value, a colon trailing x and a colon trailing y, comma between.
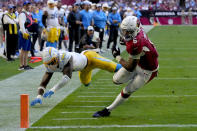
x: 141, y: 67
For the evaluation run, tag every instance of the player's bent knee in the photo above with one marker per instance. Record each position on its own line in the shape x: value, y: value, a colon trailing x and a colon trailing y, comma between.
x: 116, y: 79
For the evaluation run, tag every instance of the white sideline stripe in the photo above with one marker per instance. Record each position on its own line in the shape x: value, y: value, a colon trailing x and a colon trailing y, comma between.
x: 119, y: 126
x: 66, y: 119
x: 75, y: 112
x: 98, y: 92
x: 85, y: 106
x: 148, y: 96
x: 92, y: 101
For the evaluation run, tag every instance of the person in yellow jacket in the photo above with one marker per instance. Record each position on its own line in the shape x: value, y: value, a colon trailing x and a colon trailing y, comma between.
x: 11, y: 33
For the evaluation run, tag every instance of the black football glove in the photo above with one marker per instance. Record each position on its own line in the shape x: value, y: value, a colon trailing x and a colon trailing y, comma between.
x: 115, y: 52
x: 122, y: 42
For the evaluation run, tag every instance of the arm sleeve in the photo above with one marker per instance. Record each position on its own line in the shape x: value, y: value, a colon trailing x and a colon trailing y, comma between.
x: 22, y: 19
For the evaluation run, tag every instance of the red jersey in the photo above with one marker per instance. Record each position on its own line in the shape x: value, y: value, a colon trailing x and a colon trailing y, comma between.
x: 142, y: 47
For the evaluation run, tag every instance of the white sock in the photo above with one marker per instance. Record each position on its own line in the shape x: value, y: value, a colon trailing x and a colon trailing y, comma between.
x: 39, y: 96
x: 119, y: 100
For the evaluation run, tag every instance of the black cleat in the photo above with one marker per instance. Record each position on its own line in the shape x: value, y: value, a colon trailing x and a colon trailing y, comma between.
x: 103, y: 113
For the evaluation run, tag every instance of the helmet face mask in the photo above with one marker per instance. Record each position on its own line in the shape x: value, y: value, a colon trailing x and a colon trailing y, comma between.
x: 50, y: 58
x: 127, y: 35
x: 129, y: 28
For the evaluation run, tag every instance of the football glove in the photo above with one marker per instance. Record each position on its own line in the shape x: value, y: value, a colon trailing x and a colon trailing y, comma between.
x: 48, y: 94
x: 115, y: 52
x: 26, y: 36
x: 122, y: 42
x: 37, y: 100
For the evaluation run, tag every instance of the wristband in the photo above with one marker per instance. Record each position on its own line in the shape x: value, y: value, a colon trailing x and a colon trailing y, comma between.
x: 118, y: 58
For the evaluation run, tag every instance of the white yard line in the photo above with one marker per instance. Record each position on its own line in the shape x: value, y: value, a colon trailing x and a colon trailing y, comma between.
x: 172, y: 67
x: 107, y: 88
x: 159, y: 48
x: 93, y: 101
x: 79, y: 112
x: 100, y: 81
x: 146, y: 96
x: 67, y: 119
x: 118, y: 126
x: 180, y: 78
x: 85, y: 106
x: 98, y: 92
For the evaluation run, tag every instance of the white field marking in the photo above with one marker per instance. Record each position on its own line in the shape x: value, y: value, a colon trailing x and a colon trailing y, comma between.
x: 85, y: 106
x: 98, y: 92
x: 178, y: 78
x: 67, y: 119
x: 79, y: 112
x: 185, y: 67
x: 105, y: 85
x: 178, y: 59
x: 144, y: 96
x: 175, y: 49
x: 93, y: 101
x: 117, y: 126
x: 159, y: 78
x: 103, y: 88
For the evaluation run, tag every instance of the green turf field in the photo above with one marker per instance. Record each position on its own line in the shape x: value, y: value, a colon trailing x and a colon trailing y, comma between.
x: 168, y: 103
x: 8, y: 69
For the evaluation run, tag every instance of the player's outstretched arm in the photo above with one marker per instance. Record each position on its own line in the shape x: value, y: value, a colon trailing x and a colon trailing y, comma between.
x: 67, y: 74
x: 45, y: 80
x: 128, y: 65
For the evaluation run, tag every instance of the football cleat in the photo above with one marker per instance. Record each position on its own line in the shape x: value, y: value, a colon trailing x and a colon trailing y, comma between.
x: 103, y: 113
x: 37, y: 100
x: 48, y: 94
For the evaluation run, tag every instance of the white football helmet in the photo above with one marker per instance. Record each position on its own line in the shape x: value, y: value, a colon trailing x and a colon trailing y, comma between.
x: 130, y: 27
x: 50, y: 56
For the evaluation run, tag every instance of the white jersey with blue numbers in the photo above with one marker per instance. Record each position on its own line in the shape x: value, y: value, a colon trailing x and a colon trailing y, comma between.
x: 79, y: 61
x: 52, y: 18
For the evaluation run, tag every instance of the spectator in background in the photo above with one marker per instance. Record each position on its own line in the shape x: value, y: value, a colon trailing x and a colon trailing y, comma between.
x: 190, y: 16
x: 114, y: 19
x: 86, y: 17
x: 183, y: 17
x: 35, y: 28
x: 137, y: 13
x: 129, y: 12
x: 87, y: 42
x: 40, y: 25
x: 74, y: 20
x: 100, y: 20
x: 121, y: 12
x: 1, y: 29
x: 24, y: 36
x: 11, y: 32
x: 60, y: 14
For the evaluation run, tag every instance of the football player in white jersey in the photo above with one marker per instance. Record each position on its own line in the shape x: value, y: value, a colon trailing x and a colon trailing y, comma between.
x: 51, y: 23
x: 67, y: 62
